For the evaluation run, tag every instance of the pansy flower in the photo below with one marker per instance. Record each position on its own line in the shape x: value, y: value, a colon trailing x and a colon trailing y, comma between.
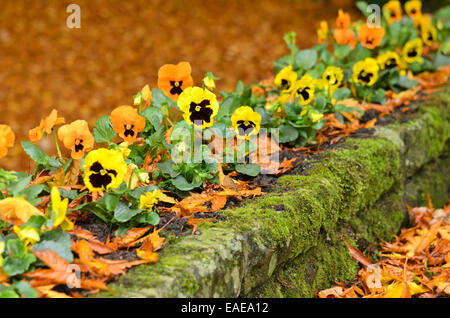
x: 427, y: 32
x: 285, y: 78
x: 413, y: 8
x: 322, y: 32
x: 28, y: 235
x: 199, y: 106
x: 245, y: 122
x: 148, y: 200
x: 412, y: 51
x: 127, y: 122
x: 59, y: 208
x: 174, y: 79
x: 392, y: 11
x: 304, y: 89
x: 388, y: 60
x: 371, y: 37
x: 345, y: 36
x: 45, y: 126
x: 2, y: 249
x: 7, y: 138
x: 314, y: 116
x: 365, y: 72
x: 343, y: 20
x: 333, y: 75
x: 77, y: 138
x: 104, y: 169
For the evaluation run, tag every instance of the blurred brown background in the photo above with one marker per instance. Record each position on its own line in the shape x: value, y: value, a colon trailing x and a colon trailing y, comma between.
x: 85, y: 73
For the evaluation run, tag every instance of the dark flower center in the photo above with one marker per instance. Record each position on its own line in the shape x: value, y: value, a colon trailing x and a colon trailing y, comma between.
x: 331, y: 80
x: 304, y: 93
x: 176, y: 87
x: 430, y: 36
x: 413, y: 11
x: 200, y: 112
x: 129, y: 130
x: 79, y: 145
x: 412, y: 53
x: 245, y: 127
x: 369, y: 41
x: 285, y: 84
x: 101, y: 178
x: 391, y: 63
x: 365, y: 77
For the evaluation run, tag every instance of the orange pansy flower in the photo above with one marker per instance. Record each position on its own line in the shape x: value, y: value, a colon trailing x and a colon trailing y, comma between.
x: 45, y: 126
x: 345, y: 36
x: 371, y: 37
x: 7, y: 138
x: 127, y: 122
x: 77, y: 138
x: 173, y: 79
x: 343, y: 20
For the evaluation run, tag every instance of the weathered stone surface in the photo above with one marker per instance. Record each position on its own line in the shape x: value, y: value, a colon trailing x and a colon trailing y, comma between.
x: 358, y: 193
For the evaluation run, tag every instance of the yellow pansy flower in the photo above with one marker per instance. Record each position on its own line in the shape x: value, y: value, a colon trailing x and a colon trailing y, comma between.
x: 428, y: 33
x: 333, y: 75
x: 199, y: 106
x: 366, y: 72
x: 388, y: 60
x: 28, y: 235
x: 2, y: 249
x: 285, y: 78
x: 304, y: 89
x: 245, y: 122
x: 209, y: 83
x: 148, y: 200
x: 315, y: 116
x: 104, y: 169
x: 412, y: 51
x: 59, y: 207
x: 413, y: 8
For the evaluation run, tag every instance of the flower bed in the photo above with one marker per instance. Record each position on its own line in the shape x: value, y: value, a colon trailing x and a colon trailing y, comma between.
x: 181, y: 150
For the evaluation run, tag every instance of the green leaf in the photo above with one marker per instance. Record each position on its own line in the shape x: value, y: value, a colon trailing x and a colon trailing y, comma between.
x: 250, y: 169
x: 25, y: 289
x: 341, y: 51
x: 362, y: 6
x: 405, y: 82
x: 342, y: 93
x: 103, y: 130
x: 58, y: 241
x: 306, y: 59
x: 137, y: 192
x: 287, y: 133
x: 36, y: 154
x: 441, y: 60
x: 182, y: 184
x: 18, y: 261
x: 150, y: 218
x: 327, y: 58
x: 123, y: 213
x: 154, y: 116
x: 160, y: 99
x: 111, y: 201
x: 17, y: 187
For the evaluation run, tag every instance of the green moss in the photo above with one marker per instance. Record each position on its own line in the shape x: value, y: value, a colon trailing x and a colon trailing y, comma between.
x: 295, y: 232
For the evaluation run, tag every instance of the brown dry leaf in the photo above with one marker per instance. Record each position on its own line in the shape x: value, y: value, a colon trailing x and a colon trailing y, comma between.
x: 130, y: 239
x: 59, y: 273
x: 358, y: 255
x: 48, y: 292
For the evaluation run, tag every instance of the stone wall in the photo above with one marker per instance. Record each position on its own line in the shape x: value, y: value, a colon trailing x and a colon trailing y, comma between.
x: 289, y: 243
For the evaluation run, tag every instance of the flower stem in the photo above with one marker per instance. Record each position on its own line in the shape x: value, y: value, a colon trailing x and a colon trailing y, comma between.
x: 57, y: 145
